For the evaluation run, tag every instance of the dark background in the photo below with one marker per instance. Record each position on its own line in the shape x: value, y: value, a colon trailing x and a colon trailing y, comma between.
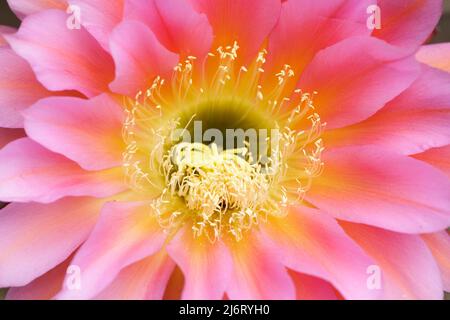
x: 443, y: 29
x: 442, y: 34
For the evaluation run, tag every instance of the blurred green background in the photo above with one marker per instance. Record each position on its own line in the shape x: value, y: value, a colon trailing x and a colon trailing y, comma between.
x: 442, y: 35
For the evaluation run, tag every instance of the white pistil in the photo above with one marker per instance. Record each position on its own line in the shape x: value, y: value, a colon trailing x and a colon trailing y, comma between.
x: 222, y: 188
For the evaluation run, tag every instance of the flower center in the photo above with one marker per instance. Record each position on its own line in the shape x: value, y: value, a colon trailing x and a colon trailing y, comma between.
x: 216, y: 151
x: 217, y: 185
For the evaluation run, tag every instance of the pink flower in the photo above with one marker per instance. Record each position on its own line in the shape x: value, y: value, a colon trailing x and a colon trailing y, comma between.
x: 353, y: 202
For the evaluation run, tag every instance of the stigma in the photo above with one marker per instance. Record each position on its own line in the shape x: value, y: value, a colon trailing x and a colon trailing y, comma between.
x: 223, y: 190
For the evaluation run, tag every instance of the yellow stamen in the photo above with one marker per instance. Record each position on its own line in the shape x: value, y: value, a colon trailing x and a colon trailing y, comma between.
x: 218, y: 192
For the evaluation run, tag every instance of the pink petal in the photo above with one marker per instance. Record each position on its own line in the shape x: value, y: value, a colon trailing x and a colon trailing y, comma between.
x: 439, y: 244
x: 5, y: 30
x: 8, y: 135
x: 248, y: 22
x: 384, y: 189
x: 258, y: 273
x: 312, y: 288
x: 202, y: 263
x: 312, y: 242
x: 438, y: 157
x: 29, y: 172
x: 408, y: 23
x: 86, y: 131
x: 124, y: 234
x: 37, y: 237
x: 314, y: 25
x: 145, y: 279
x: 63, y: 59
x: 18, y: 88
x: 100, y: 17
x: 175, y: 23
x: 347, y: 77
x: 408, y: 270
x: 416, y: 120
x: 175, y: 285
x: 139, y: 58
x: 26, y: 7
x: 43, y: 288
x: 435, y: 55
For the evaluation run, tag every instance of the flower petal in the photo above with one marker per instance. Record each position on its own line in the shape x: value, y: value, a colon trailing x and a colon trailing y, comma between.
x: 5, y: 30
x: 43, y: 288
x: 312, y: 242
x: 145, y: 279
x: 8, y: 135
x: 37, y: 237
x: 437, y: 157
x: 439, y: 244
x: 124, y: 234
x: 18, y: 88
x: 435, y: 55
x: 312, y: 288
x: 314, y: 25
x: 248, y: 22
x: 384, y: 189
x: 415, y: 121
x: 408, y: 23
x: 408, y: 270
x: 99, y: 17
x: 29, y: 172
x: 258, y: 272
x: 63, y: 59
x: 86, y: 131
x: 139, y: 58
x: 202, y: 263
x: 175, y: 285
x: 347, y: 76
x: 26, y: 7
x: 175, y: 23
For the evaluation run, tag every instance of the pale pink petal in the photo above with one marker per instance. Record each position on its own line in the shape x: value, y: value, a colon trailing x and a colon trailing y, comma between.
x: 257, y: 272
x: 124, y: 234
x: 43, y: 288
x: 439, y: 244
x: 145, y: 279
x: 139, y: 58
x: 25, y: 7
x: 382, y: 188
x: 35, y: 237
x: 88, y: 132
x: 408, y: 23
x: 438, y: 157
x: 311, y: 242
x: 435, y: 55
x: 313, y: 288
x: 63, y: 59
x: 5, y: 30
x: 202, y: 263
x: 8, y: 135
x: 18, y: 88
x: 248, y: 22
x: 355, y: 78
x: 175, y: 23
x: 405, y: 264
x: 416, y: 120
x: 29, y: 172
x: 308, y: 26
x: 99, y: 17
